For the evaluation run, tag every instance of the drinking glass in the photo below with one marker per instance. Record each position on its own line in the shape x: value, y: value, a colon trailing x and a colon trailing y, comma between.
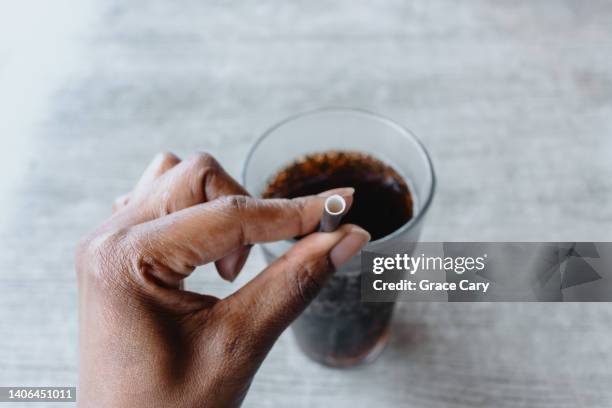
x: 337, y: 328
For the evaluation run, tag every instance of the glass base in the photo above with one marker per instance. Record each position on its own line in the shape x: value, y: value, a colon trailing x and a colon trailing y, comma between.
x: 365, y: 357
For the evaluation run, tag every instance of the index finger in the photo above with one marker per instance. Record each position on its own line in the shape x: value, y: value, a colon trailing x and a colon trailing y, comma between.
x: 207, y: 232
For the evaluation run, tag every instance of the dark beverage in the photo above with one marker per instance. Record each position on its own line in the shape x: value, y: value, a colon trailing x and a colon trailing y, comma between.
x: 340, y: 330
x: 337, y: 328
x: 382, y: 201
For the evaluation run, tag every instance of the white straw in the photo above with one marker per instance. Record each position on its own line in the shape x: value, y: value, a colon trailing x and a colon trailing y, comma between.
x: 335, y: 206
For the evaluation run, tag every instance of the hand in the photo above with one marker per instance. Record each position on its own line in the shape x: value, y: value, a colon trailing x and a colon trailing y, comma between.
x: 146, y: 342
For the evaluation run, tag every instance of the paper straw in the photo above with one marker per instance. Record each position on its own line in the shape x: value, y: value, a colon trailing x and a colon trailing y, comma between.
x: 332, y: 214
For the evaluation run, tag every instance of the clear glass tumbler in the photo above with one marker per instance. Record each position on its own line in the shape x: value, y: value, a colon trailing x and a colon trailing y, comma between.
x: 338, y: 329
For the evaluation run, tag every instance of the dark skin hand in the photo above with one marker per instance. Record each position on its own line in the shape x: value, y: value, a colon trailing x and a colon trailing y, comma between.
x: 147, y: 342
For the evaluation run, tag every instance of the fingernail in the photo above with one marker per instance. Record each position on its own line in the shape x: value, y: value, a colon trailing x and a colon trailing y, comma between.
x: 342, y: 191
x: 233, y: 263
x: 240, y: 263
x: 349, y: 246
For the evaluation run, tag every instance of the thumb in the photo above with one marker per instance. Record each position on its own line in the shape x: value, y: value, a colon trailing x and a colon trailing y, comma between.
x: 273, y: 299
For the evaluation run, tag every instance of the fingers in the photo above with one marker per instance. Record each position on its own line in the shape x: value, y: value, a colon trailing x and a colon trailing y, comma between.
x: 196, y: 180
x: 230, y: 265
x: 210, y: 231
x: 169, y: 185
x: 280, y: 293
x: 161, y: 163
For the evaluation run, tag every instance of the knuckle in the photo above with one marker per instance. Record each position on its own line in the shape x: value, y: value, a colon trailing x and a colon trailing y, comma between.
x: 236, y: 203
x: 108, y: 262
x: 235, y: 206
x: 201, y: 167
x: 203, y: 160
x: 166, y: 158
x: 299, y: 205
x: 99, y: 254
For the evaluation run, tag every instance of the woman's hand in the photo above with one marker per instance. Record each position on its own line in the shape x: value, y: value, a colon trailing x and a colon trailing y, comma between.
x: 146, y: 342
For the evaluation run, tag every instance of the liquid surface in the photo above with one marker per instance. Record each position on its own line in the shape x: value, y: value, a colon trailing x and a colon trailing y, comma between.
x: 382, y: 202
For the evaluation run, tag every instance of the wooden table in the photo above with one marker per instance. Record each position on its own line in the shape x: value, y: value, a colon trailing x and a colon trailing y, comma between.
x: 513, y: 100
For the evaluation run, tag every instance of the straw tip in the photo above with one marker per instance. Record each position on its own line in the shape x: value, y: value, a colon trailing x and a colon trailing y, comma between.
x: 335, y: 204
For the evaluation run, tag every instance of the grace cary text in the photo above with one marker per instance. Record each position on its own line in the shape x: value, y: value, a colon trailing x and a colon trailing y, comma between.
x: 427, y: 286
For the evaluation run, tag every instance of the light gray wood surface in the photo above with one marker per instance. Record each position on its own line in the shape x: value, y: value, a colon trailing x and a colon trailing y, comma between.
x: 513, y: 100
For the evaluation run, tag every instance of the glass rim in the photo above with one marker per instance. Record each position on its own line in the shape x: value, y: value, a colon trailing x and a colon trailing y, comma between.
x: 371, y: 115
